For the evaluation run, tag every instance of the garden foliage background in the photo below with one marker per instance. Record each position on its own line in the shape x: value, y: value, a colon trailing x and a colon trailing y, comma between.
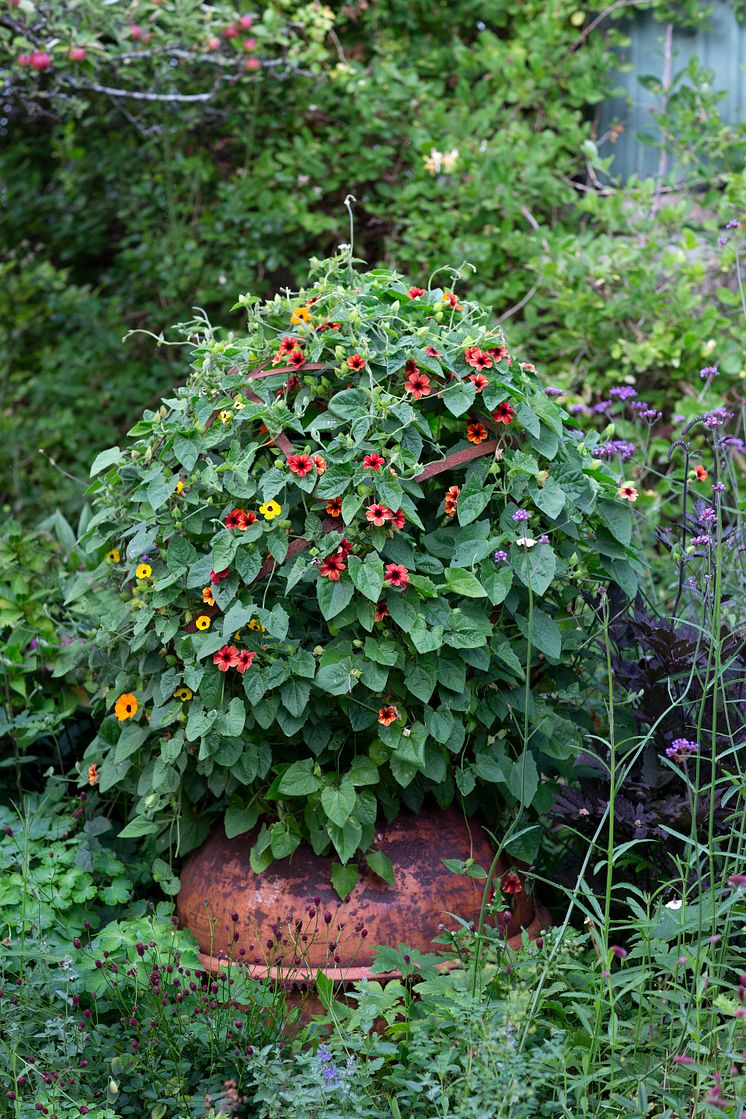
x: 466, y: 131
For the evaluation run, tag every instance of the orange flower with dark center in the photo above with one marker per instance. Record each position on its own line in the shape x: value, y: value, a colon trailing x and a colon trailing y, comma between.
x: 499, y: 353
x: 396, y: 575
x: 240, y: 519
x: 208, y: 596
x: 92, y: 774
x: 627, y: 492
x: 126, y: 706
x: 701, y: 473
x: 320, y: 463
x: 226, y: 658
x: 418, y: 384
x: 511, y: 884
x: 334, y: 507
x: 479, y: 381
x: 387, y: 715
x: 300, y: 464
x: 356, y: 363
x: 382, y: 611
x: 332, y: 567
x: 328, y: 326
x: 450, y: 297
x: 504, y: 413
x: 476, y: 433
x: 296, y: 359
x: 378, y: 514
x: 245, y: 660
x: 451, y: 500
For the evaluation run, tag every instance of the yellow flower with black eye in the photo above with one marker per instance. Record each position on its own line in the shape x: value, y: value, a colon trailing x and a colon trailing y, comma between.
x: 143, y: 571
x: 113, y: 556
x: 254, y: 624
x: 225, y: 416
x: 299, y: 315
x: 270, y: 510
x: 183, y: 693
x: 237, y: 636
x: 180, y: 486
x: 204, y: 621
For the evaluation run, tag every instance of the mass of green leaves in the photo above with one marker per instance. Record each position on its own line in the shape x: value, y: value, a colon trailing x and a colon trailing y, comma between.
x: 360, y: 692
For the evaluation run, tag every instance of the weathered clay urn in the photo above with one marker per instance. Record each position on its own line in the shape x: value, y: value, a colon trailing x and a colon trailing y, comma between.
x: 289, y: 922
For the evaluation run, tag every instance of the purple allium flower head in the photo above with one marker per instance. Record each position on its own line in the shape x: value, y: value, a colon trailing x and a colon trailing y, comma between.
x: 550, y: 391
x: 521, y: 515
x: 616, y: 448
x: 500, y: 556
x: 709, y: 372
x: 623, y: 392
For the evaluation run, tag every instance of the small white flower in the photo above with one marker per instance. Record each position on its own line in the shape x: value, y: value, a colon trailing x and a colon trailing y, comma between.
x: 675, y: 903
x: 525, y: 542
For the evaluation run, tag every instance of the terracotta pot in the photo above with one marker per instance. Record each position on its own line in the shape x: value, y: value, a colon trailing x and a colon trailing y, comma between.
x: 288, y: 921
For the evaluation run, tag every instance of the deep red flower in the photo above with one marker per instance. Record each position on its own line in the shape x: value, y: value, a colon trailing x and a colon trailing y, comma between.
x: 418, y: 384
x: 300, y: 464
x: 511, y: 884
x: 291, y: 383
x: 344, y: 549
x: 504, y: 413
x: 499, y: 353
x: 398, y: 520
x: 332, y: 567
x: 432, y: 352
x: 334, y: 507
x: 226, y: 658
x: 396, y: 575
x: 479, y: 381
x: 236, y: 519
x: 476, y: 433
x: 245, y: 660
x: 356, y: 363
x: 296, y: 359
x: 382, y: 611
x: 378, y: 514
x: 287, y: 345
x: 328, y: 326
x: 216, y: 576
x: 415, y: 293
x: 374, y: 461
x: 451, y: 298
x: 410, y: 367
x: 387, y: 715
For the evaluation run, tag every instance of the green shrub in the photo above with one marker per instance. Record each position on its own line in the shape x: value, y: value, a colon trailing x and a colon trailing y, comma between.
x: 390, y: 601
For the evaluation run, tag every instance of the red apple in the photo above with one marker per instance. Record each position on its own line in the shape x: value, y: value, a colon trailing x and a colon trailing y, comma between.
x: 135, y: 31
x: 76, y: 54
x: 230, y: 32
x: 23, y: 59
x: 249, y: 44
x: 40, y: 60
x: 252, y: 64
x: 245, y: 22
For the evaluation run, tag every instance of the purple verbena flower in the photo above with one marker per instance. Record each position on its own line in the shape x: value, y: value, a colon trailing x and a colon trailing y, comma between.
x: 680, y: 749
x: 623, y: 392
x: 521, y: 515
x: 616, y: 448
x: 550, y: 391
x: 718, y: 488
x: 708, y: 517
x: 602, y: 406
x: 723, y: 240
x: 733, y: 224
x: 500, y: 556
x: 577, y: 409
x: 543, y: 539
x: 709, y: 372
x: 701, y: 541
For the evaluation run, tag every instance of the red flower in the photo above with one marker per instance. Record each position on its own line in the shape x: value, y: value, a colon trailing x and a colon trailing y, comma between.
x: 432, y: 352
x: 226, y: 658
x: 216, y: 576
x: 245, y: 660
x: 344, y: 549
x: 411, y: 366
x: 450, y: 297
x: 288, y: 345
x: 387, y: 715
x: 479, y: 381
x: 477, y: 358
x: 240, y: 519
x: 451, y: 501
x: 292, y: 383
x: 356, y: 363
x: 504, y: 413
x: 334, y: 507
x: 476, y: 433
x: 374, y: 461
x: 415, y: 293
x: 418, y: 384
x: 300, y: 464
x: 511, y: 884
x: 378, y: 514
x: 328, y: 326
x: 396, y: 575
x: 332, y: 567
x: 296, y: 359
x: 500, y: 353
x: 398, y: 520
x: 382, y: 611
x: 320, y: 463
x: 701, y: 473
